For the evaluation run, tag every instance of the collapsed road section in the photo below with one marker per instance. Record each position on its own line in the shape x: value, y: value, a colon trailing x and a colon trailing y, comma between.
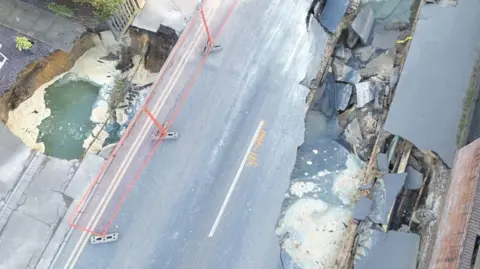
x: 370, y: 180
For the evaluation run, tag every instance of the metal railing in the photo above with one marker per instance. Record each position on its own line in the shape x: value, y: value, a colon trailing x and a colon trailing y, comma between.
x: 124, y: 17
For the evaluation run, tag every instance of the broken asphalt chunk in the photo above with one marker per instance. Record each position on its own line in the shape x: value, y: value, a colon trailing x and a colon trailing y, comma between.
x: 342, y: 53
x: 363, y: 23
x: 380, y: 66
x: 345, y: 73
x: 414, y: 179
x: 384, y: 39
x: 332, y: 14
x: 393, y: 250
x: 353, y: 133
x: 342, y: 95
x: 362, y: 208
x: 364, y: 53
x: 365, y: 93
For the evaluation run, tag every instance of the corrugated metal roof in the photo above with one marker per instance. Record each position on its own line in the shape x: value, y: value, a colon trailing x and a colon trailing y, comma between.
x: 457, y: 226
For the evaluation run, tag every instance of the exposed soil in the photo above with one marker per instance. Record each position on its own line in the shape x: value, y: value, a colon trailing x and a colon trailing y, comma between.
x: 159, y: 46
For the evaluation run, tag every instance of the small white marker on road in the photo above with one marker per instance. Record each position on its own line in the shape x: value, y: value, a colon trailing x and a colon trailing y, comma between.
x: 235, y: 179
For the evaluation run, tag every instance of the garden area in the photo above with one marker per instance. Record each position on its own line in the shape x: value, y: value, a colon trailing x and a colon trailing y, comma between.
x: 89, y: 13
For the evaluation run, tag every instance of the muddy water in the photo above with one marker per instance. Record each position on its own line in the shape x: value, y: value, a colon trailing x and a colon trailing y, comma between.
x: 70, y: 101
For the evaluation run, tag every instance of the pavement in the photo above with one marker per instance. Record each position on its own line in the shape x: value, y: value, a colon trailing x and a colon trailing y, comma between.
x: 35, y: 193
x: 171, y: 13
x: 210, y: 199
x: 430, y: 82
x: 39, y: 24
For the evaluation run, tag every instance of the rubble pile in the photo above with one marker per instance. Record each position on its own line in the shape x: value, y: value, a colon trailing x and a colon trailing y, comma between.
x: 342, y: 128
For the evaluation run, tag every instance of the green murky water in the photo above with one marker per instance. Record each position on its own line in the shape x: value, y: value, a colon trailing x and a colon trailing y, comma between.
x: 63, y: 132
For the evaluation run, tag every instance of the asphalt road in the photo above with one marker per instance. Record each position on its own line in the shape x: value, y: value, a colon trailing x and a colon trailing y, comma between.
x: 211, y: 199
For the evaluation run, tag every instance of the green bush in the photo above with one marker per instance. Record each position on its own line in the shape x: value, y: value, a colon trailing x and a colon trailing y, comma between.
x: 60, y: 9
x: 102, y: 8
x: 23, y: 43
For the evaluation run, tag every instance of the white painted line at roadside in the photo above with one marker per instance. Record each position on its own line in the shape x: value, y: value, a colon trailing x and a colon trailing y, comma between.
x: 235, y: 179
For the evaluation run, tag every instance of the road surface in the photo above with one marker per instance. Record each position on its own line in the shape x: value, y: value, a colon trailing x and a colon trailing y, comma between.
x: 210, y: 199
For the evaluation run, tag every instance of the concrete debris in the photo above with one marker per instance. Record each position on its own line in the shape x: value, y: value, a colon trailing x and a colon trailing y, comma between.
x: 332, y: 14
x: 363, y: 23
x: 394, y: 77
x: 380, y: 66
x: 353, y: 6
x: 414, y: 179
x: 386, y: 92
x: 384, y: 39
x: 395, y: 250
x: 345, y: 73
x: 342, y: 96
x: 364, y: 53
x: 365, y: 231
x: 365, y: 93
x: 363, y: 208
x: 342, y: 53
x: 382, y: 163
x: 369, y: 123
x: 423, y: 216
x: 378, y: 104
x: 353, y: 133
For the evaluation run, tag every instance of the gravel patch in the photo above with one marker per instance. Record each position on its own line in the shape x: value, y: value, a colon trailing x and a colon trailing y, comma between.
x: 17, y: 60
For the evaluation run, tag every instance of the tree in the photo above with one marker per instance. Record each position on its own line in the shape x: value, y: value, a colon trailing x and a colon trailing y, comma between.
x: 102, y: 8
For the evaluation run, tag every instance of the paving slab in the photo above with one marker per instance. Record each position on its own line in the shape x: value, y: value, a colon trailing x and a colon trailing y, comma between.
x: 21, y: 239
x: 13, y: 160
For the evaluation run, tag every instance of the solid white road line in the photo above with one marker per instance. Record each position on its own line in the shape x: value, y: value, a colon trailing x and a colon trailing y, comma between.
x: 235, y: 179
